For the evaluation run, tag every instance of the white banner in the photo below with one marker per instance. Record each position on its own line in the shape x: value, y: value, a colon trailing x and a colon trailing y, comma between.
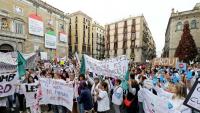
x: 57, y: 92
x: 30, y: 91
x: 8, y: 83
x: 50, y: 41
x: 115, y: 67
x: 155, y: 104
x: 36, y: 27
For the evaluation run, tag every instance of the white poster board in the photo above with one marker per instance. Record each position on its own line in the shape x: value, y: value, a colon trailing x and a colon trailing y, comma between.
x: 50, y: 41
x: 8, y: 82
x: 57, y: 92
x: 36, y: 27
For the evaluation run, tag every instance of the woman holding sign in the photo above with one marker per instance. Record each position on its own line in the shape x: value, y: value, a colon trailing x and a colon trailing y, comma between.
x: 102, y: 98
x: 178, y: 99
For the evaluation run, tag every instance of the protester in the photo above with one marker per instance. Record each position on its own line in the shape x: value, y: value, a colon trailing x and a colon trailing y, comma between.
x: 179, y: 97
x: 117, y: 96
x: 86, y: 97
x: 132, y: 97
x: 103, y: 98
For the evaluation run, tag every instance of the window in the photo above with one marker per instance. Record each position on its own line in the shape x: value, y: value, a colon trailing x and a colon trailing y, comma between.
x: 4, y: 24
x: 124, y: 51
x: 61, y: 26
x: 179, y: 26
x: 193, y: 24
x: 83, y: 20
x: 76, y: 19
x: 18, y: 27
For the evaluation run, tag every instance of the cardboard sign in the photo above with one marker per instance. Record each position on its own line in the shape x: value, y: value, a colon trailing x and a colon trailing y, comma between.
x: 8, y: 83
x: 56, y: 92
x: 165, y: 61
x: 193, y: 98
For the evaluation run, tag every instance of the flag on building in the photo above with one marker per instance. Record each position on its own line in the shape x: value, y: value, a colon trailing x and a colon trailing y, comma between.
x: 21, y: 63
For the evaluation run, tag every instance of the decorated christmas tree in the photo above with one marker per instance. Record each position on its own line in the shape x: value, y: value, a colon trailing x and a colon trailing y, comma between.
x: 186, y: 50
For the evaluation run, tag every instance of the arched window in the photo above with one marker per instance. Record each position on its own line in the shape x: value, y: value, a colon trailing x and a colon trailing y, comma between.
x: 193, y: 24
x: 179, y: 26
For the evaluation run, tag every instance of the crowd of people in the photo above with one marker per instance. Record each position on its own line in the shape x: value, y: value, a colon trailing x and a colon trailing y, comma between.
x: 95, y: 93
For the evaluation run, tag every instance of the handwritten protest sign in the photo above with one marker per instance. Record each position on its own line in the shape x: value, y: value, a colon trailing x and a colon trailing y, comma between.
x: 115, y: 67
x: 165, y: 61
x: 8, y: 83
x: 30, y: 91
x: 193, y: 98
x: 56, y: 92
x: 153, y: 103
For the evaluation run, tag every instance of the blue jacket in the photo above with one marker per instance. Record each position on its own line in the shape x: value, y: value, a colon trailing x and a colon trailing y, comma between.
x: 86, y: 99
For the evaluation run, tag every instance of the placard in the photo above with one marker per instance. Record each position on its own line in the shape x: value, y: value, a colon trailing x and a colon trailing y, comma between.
x: 193, y: 98
x: 8, y: 83
x: 56, y: 92
x: 43, y: 55
x: 181, y: 66
x: 50, y: 41
x: 165, y: 61
x: 35, y: 25
x: 30, y: 91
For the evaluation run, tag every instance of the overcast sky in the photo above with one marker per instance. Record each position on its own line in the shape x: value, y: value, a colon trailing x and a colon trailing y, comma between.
x: 156, y: 12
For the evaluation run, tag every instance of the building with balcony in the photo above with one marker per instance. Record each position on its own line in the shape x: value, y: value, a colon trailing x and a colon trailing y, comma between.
x: 98, y: 41
x: 31, y: 25
x: 175, y: 29
x: 80, y: 38
x: 131, y: 37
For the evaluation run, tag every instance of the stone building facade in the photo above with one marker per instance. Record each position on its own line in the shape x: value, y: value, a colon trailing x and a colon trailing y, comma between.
x: 98, y: 41
x: 131, y: 37
x: 25, y: 23
x: 175, y: 29
x: 80, y: 37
